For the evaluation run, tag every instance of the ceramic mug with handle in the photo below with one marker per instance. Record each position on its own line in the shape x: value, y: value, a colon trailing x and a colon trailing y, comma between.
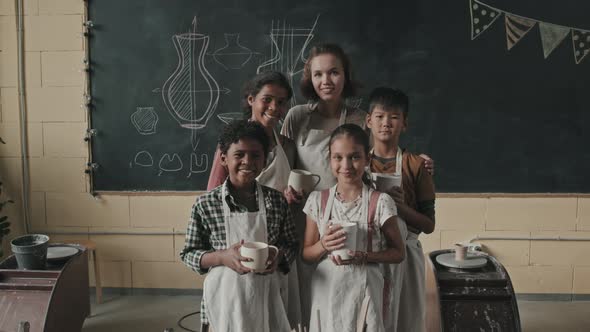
x: 258, y: 252
x: 302, y: 180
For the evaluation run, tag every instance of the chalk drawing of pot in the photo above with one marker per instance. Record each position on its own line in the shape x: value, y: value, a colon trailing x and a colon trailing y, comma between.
x: 145, y: 120
x: 191, y: 94
x: 232, y: 55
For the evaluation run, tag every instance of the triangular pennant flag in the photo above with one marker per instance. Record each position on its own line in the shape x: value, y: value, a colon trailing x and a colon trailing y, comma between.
x: 551, y: 36
x: 581, y: 42
x: 516, y: 28
x: 482, y: 17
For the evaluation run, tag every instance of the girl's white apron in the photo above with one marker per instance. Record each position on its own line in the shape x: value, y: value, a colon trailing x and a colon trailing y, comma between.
x: 338, y: 291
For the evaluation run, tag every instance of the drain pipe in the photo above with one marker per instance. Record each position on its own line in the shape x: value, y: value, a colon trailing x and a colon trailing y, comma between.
x: 529, y: 238
x: 23, y: 114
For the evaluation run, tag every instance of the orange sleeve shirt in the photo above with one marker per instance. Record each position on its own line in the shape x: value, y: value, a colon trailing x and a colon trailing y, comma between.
x: 417, y: 183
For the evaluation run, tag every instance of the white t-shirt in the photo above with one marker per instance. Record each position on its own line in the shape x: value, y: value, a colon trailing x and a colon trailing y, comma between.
x: 351, y: 212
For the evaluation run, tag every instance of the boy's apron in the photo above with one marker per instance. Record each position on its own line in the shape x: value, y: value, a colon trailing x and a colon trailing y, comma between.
x: 338, y: 291
x: 276, y: 176
x: 312, y: 156
x: 393, y: 274
x: 248, y: 302
x: 413, y: 294
x: 408, y: 298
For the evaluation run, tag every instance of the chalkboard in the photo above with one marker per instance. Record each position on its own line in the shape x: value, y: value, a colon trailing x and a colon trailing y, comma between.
x: 498, y: 88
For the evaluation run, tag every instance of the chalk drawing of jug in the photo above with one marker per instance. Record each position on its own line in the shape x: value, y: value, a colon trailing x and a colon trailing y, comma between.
x: 191, y: 94
x: 232, y: 55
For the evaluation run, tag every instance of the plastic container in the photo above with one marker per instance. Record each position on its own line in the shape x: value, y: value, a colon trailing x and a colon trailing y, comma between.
x: 30, y: 251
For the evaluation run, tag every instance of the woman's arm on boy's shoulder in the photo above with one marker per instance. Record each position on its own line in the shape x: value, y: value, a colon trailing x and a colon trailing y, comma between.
x: 428, y: 163
x: 218, y: 173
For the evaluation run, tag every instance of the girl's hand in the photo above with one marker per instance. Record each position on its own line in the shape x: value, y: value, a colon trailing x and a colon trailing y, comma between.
x: 231, y: 258
x: 292, y: 195
x: 272, y: 262
x: 397, y: 194
x: 334, y: 237
x: 357, y: 258
x: 428, y: 163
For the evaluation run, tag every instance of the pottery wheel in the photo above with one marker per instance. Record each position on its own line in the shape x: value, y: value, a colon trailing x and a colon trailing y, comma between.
x: 471, y: 261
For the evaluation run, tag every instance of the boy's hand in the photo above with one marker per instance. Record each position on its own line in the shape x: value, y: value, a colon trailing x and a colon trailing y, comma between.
x: 231, y: 258
x: 334, y: 237
x: 292, y: 195
x: 428, y: 163
x: 397, y: 194
x: 272, y: 262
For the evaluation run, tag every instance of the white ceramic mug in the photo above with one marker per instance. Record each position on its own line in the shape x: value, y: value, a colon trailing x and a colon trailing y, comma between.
x: 303, y: 180
x: 258, y: 252
x: 350, y: 244
x: 385, y: 182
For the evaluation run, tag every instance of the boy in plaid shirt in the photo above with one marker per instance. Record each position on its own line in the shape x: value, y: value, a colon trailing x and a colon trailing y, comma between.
x: 234, y: 297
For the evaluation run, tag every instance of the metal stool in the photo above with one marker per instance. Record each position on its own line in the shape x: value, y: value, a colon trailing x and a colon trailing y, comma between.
x: 91, y: 247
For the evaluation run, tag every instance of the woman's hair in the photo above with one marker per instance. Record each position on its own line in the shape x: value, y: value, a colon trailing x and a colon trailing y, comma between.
x: 306, y: 85
x: 241, y: 129
x: 256, y: 83
x: 358, y: 135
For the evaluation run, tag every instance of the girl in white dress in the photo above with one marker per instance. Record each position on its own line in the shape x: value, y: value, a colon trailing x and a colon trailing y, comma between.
x: 339, y: 286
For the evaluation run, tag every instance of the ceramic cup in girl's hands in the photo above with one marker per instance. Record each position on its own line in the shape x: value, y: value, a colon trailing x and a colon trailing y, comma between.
x: 350, y: 244
x: 385, y: 182
x: 258, y: 252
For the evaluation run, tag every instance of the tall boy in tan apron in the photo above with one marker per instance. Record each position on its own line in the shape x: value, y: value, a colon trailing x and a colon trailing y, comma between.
x: 387, y: 119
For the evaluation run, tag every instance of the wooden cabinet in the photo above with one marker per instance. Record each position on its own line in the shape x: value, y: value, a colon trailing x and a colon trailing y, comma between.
x: 51, y: 300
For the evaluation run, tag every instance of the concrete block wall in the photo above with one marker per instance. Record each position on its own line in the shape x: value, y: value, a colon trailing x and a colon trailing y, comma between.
x: 60, y: 199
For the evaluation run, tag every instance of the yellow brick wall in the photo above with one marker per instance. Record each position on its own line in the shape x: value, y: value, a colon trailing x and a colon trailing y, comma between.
x: 60, y: 199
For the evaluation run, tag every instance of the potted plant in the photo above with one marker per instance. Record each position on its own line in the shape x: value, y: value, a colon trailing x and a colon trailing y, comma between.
x: 4, y: 224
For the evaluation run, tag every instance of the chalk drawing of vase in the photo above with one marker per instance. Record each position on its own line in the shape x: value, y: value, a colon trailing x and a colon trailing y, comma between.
x: 232, y: 55
x: 191, y: 94
x: 288, y: 47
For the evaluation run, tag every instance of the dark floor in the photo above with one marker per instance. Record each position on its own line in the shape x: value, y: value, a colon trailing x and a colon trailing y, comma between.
x: 155, y: 313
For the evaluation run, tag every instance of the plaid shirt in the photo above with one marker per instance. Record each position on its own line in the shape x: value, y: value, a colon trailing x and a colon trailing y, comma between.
x: 206, y: 229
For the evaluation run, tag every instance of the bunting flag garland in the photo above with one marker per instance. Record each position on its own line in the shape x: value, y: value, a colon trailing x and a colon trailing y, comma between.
x: 482, y: 17
x: 551, y: 36
x: 581, y: 42
x: 516, y: 26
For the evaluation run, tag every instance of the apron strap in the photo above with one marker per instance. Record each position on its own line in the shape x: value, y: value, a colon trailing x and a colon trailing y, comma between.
x: 325, y: 194
x: 371, y: 219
